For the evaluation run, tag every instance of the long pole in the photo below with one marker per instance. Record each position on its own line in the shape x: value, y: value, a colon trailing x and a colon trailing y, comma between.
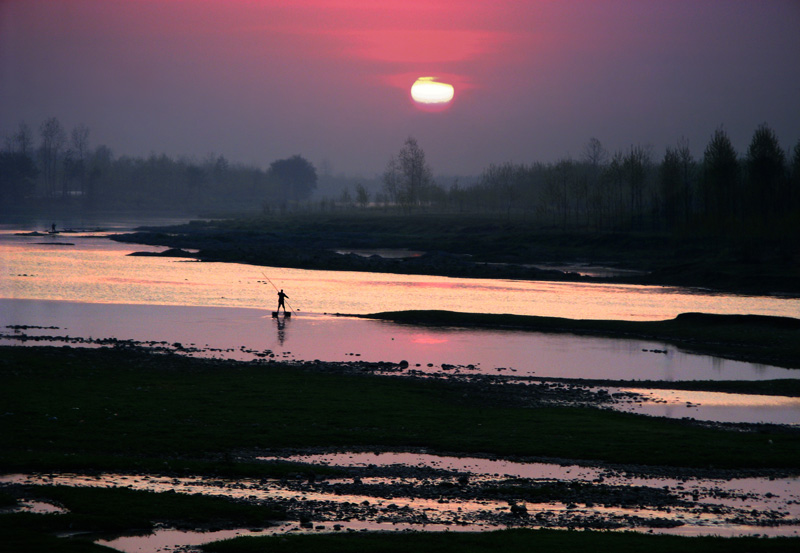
x: 276, y: 289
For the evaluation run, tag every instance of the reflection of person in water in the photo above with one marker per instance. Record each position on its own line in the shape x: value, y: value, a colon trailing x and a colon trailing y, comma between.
x: 281, y: 322
x: 281, y: 297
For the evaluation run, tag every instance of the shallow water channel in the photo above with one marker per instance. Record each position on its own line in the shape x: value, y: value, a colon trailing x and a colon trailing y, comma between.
x: 418, y: 491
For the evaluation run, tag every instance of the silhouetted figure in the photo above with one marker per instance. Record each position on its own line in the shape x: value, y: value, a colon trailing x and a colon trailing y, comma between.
x: 281, y: 297
x: 53, y: 228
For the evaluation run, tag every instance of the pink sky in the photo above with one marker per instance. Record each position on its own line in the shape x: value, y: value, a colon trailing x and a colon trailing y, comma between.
x: 257, y: 81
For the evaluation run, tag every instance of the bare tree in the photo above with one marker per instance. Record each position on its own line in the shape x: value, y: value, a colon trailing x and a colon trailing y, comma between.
x: 688, y: 170
x: 17, y: 166
x: 590, y: 183
x: 502, y: 181
x: 613, y: 187
x: 635, y: 166
x: 362, y: 195
x: 670, y: 185
x: 391, y: 180
x: 416, y: 174
x: 21, y: 142
x: 79, y: 146
x: 594, y: 154
x: 794, y: 180
x: 53, y: 140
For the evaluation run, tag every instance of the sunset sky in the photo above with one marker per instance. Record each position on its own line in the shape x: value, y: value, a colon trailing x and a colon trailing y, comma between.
x: 260, y: 80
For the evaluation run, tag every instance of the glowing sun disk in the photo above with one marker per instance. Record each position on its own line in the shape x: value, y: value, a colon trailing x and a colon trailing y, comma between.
x: 427, y: 91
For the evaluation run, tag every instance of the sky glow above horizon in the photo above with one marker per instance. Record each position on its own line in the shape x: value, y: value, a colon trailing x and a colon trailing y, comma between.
x: 257, y: 81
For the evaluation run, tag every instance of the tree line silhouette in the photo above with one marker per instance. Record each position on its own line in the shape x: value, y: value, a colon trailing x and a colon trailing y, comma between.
x: 758, y: 190
x: 63, y: 170
x: 722, y: 191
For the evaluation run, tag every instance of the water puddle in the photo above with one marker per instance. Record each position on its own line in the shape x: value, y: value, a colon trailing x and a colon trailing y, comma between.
x: 170, y: 539
x: 37, y: 507
x: 423, y: 492
x: 712, y: 406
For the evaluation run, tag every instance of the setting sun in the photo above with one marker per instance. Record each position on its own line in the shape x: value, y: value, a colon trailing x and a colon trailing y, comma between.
x: 427, y: 92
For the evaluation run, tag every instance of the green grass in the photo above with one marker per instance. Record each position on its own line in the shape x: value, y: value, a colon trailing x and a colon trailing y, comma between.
x: 70, y: 409
x: 507, y: 541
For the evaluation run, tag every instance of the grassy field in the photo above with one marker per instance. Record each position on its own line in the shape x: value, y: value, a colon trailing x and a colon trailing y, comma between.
x: 112, y: 409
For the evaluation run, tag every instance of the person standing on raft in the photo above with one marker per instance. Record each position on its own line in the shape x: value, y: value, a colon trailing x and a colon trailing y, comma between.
x: 281, y: 297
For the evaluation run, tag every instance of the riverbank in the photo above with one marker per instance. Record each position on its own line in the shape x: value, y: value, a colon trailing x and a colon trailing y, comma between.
x: 485, y: 247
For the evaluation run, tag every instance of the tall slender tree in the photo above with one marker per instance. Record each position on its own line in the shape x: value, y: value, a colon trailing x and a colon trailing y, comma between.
x: 391, y: 180
x: 794, y: 181
x: 721, y: 178
x: 635, y: 167
x: 53, y: 140
x: 17, y: 166
x: 688, y: 171
x: 417, y: 177
x: 766, y: 192
x: 670, y: 185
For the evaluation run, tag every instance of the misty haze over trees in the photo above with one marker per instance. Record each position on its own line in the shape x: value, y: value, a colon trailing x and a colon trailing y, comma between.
x: 632, y: 189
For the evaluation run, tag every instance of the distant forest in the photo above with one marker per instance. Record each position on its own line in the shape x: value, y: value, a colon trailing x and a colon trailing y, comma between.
x: 757, y: 191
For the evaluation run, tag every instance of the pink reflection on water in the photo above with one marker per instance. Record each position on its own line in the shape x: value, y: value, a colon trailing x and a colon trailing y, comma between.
x: 428, y: 340
x: 716, y: 406
x: 150, y: 282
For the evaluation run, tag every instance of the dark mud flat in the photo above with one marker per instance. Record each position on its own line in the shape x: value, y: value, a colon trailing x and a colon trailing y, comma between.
x: 69, y: 403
